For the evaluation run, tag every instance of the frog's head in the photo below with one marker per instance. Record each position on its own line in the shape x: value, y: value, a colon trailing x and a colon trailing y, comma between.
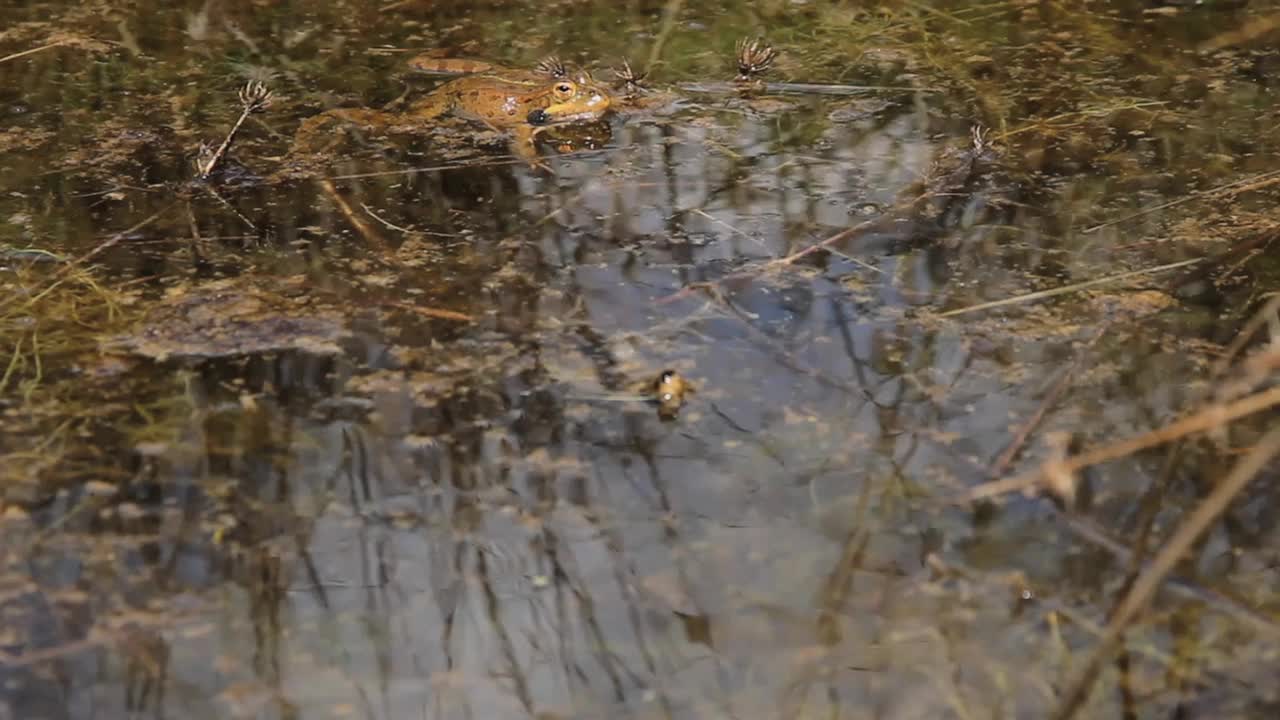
x: 572, y: 98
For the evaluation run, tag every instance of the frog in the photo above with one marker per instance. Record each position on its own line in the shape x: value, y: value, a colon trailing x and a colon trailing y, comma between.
x: 505, y: 97
x: 669, y: 390
x: 518, y: 103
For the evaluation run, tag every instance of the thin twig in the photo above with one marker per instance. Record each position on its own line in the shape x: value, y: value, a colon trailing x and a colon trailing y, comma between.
x: 1140, y: 595
x: 229, y: 206
x: 726, y: 88
x: 1040, y: 295
x: 1255, y: 323
x: 787, y: 260
x: 1207, y: 596
x: 121, y: 235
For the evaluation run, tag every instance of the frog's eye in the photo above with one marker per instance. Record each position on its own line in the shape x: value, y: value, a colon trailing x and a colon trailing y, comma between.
x: 564, y: 89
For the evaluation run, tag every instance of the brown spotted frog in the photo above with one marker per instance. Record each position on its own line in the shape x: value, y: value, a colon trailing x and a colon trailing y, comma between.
x: 520, y: 103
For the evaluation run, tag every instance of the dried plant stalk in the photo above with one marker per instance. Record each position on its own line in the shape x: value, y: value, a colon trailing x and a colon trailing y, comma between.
x: 255, y: 97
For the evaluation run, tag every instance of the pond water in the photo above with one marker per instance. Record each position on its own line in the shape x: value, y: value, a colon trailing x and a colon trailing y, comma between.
x: 367, y: 433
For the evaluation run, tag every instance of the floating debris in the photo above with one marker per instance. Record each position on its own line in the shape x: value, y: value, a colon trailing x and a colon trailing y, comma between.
x: 226, y: 319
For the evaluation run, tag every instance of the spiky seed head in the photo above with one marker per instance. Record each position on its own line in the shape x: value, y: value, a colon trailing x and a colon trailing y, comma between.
x: 754, y: 56
x: 628, y: 78
x: 255, y: 96
x: 553, y: 66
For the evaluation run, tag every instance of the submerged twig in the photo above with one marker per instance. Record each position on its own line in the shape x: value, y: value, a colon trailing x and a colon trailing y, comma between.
x: 368, y: 233
x: 116, y: 238
x: 429, y: 311
x: 949, y: 183
x: 255, y: 97
x: 1140, y: 595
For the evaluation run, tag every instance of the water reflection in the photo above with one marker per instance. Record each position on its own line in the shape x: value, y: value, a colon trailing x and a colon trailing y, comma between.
x: 445, y: 518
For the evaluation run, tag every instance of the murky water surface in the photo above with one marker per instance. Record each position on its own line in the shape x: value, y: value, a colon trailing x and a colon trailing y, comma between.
x: 367, y: 435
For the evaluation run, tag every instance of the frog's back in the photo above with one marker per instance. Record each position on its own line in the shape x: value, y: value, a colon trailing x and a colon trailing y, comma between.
x: 500, y: 97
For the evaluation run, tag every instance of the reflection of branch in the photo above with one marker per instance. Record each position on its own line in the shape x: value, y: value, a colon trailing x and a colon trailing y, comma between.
x: 1055, y: 392
x: 669, y: 15
x: 784, y: 356
x: 950, y: 179
x: 756, y: 272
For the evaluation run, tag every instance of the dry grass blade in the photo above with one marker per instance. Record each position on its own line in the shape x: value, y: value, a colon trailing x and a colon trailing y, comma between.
x: 1249, y: 183
x: 1145, y: 588
x: 1042, y: 294
x: 32, y: 51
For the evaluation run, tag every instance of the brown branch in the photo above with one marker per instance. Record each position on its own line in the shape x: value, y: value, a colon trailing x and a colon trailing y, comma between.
x: 1207, y: 419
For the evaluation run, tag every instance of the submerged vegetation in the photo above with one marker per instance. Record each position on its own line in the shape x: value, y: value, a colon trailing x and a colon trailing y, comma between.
x: 930, y: 346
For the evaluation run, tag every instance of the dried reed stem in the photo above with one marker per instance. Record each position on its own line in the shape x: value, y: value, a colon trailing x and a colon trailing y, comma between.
x: 255, y: 97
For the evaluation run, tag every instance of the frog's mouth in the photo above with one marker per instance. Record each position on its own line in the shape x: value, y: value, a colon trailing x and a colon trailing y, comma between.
x: 592, y: 108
